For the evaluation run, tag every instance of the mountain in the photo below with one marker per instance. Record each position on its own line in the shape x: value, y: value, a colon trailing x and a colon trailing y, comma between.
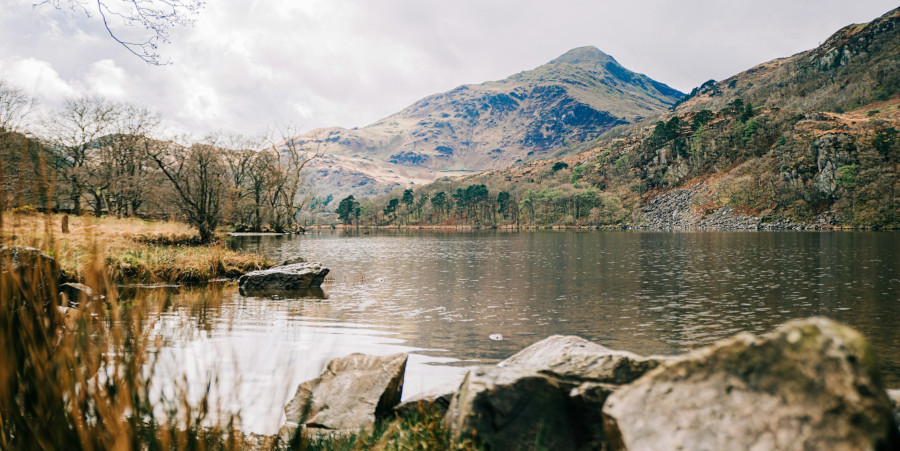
x: 812, y: 140
x: 492, y: 125
x: 856, y: 66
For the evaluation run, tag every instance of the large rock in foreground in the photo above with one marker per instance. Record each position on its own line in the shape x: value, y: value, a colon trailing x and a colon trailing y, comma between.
x: 282, y: 279
x: 569, y: 356
x: 548, y: 395
x: 811, y: 384
x: 352, y: 393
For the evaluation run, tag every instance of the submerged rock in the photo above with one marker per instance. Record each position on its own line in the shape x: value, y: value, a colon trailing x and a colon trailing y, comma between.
x: 72, y: 294
x: 548, y: 395
x: 280, y: 279
x: 352, y: 394
x: 811, y: 384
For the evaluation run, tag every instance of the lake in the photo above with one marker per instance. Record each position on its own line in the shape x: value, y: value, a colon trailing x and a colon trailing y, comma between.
x: 440, y: 295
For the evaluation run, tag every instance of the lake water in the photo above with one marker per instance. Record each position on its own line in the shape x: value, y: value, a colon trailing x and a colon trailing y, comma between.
x: 439, y: 296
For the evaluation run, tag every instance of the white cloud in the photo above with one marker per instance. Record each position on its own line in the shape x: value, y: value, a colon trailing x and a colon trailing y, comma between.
x: 38, y: 79
x: 248, y: 64
x: 106, y: 79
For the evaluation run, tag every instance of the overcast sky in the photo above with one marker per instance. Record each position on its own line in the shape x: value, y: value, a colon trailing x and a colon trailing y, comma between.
x: 248, y: 64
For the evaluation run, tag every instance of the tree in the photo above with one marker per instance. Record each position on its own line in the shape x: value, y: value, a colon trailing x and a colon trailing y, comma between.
x: 199, y: 177
x: 747, y: 113
x: 408, y: 199
x: 287, y: 177
x: 559, y: 165
x: 75, y: 134
x: 13, y: 147
x: 13, y: 107
x: 138, y: 25
x: 701, y: 118
x: 503, y: 203
x: 390, y: 211
x: 123, y: 161
x: 348, y: 208
x: 240, y: 163
x: 439, y: 202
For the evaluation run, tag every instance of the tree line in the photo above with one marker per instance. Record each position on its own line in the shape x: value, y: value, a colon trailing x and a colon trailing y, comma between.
x: 772, y: 163
x: 95, y: 156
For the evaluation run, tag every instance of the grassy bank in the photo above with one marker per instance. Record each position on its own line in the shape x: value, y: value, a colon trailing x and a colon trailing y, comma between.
x: 134, y: 250
x: 86, y: 383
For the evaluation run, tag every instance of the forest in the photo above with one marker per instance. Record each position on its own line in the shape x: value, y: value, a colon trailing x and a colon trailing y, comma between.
x: 98, y: 157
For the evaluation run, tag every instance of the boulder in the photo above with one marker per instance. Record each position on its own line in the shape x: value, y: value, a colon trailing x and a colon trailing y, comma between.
x: 281, y: 279
x: 574, y: 357
x: 352, y: 394
x: 519, y: 408
x: 811, y: 384
x: 36, y: 270
x: 548, y: 395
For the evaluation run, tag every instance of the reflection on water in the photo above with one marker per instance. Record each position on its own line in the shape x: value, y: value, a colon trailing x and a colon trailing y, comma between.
x: 440, y: 295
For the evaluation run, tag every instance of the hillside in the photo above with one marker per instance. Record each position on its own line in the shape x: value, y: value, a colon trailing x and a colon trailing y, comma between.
x: 795, y: 142
x: 492, y: 125
x: 856, y: 66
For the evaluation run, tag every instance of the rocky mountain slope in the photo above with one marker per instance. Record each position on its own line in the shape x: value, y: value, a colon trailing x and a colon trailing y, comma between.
x: 493, y: 125
x: 810, y: 140
x: 856, y: 66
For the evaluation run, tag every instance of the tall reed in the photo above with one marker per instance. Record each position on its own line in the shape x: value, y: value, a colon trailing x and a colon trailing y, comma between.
x: 81, y: 378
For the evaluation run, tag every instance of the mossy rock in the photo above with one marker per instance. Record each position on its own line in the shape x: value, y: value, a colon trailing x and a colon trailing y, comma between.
x: 811, y: 384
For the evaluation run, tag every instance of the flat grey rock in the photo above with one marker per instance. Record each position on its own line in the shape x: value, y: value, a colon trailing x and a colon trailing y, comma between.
x: 283, y: 279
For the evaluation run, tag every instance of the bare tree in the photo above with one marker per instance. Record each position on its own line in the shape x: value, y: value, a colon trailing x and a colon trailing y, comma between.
x: 122, y: 17
x: 14, y: 107
x: 240, y: 153
x: 75, y: 135
x: 285, y: 199
x: 20, y: 169
x: 199, y: 177
x: 124, y: 159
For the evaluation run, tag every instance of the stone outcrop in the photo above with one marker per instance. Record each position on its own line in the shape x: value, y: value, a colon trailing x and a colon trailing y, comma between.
x: 34, y: 269
x: 352, y: 394
x: 681, y: 209
x: 549, y: 394
x: 833, y: 151
x: 283, y: 279
x: 811, y: 384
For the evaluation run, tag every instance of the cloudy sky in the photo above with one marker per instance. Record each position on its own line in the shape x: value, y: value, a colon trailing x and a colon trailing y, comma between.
x: 249, y: 64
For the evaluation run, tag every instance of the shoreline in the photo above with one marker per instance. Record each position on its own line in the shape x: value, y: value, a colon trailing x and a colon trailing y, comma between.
x: 762, y: 228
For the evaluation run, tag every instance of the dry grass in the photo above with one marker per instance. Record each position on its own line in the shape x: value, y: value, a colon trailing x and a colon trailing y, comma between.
x: 135, y: 250
x: 81, y: 378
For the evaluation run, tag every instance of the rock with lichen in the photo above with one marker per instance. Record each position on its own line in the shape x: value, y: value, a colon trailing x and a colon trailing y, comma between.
x: 811, y: 384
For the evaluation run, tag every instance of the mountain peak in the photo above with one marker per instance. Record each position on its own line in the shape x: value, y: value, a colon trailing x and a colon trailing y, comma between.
x: 587, y: 57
